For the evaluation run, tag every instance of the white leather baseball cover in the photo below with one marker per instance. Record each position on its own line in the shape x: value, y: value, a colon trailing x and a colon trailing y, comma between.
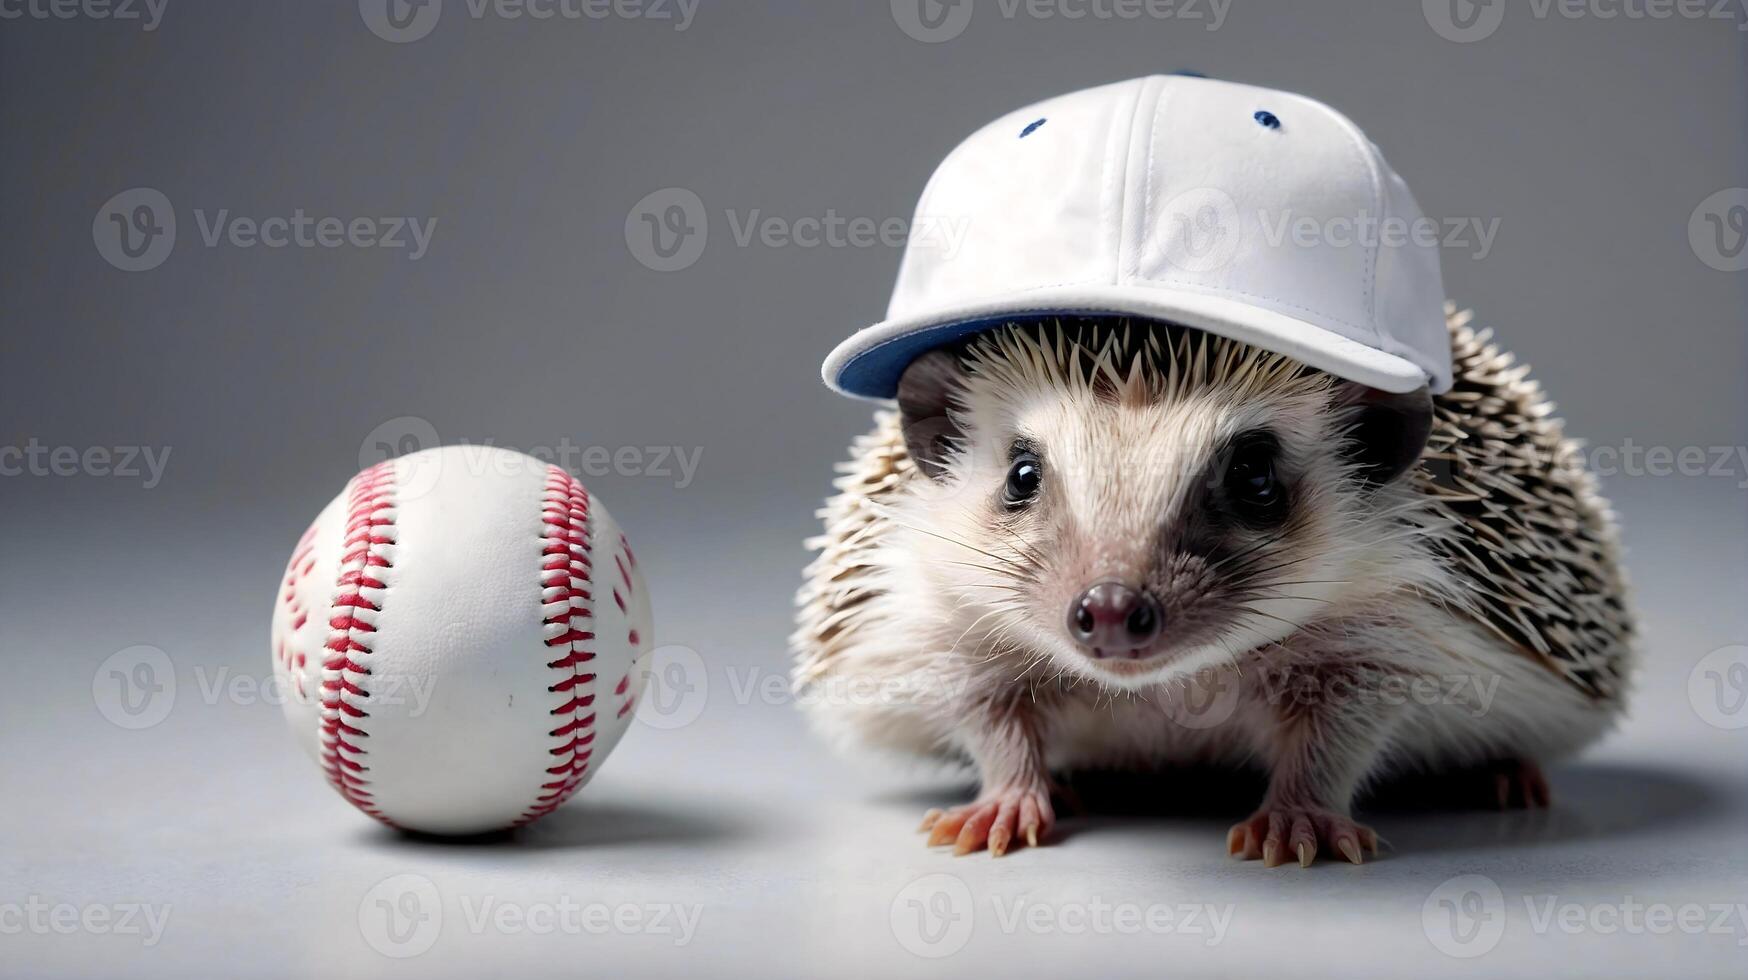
x: 461, y: 637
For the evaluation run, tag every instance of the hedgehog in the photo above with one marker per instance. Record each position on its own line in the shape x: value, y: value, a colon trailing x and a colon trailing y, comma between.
x: 1093, y: 543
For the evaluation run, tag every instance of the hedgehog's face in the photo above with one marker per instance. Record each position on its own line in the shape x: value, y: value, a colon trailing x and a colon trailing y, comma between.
x: 1132, y: 532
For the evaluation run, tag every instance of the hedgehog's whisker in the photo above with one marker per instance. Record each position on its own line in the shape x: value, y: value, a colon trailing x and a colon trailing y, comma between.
x: 1018, y: 576
x: 1257, y: 593
x: 952, y: 540
x: 1025, y: 548
x: 1234, y: 557
x: 1251, y: 574
x: 1247, y: 607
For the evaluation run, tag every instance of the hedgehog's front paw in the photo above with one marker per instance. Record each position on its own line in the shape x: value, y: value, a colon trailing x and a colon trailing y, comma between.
x: 1275, y: 831
x: 1518, y: 784
x: 999, y: 818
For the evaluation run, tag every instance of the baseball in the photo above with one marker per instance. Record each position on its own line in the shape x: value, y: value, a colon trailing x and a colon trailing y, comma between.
x: 461, y: 636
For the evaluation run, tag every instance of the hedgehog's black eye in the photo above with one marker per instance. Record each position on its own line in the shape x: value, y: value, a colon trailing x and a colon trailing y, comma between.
x: 1252, y: 486
x: 1025, y: 476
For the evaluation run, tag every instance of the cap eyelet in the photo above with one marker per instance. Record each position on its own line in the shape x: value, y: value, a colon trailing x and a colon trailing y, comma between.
x: 1032, y: 128
x: 1267, y: 119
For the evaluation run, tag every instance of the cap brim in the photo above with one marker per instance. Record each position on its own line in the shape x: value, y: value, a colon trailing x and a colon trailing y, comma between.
x: 869, y: 363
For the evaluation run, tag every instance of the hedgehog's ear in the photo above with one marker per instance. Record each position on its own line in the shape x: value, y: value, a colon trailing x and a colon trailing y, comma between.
x: 925, y: 399
x: 1389, y: 430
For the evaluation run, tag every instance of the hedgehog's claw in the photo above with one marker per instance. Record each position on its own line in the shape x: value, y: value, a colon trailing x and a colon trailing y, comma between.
x: 1271, y: 831
x: 1516, y: 784
x: 996, y: 821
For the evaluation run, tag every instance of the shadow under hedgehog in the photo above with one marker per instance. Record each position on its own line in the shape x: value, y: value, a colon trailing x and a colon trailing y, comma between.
x: 1166, y: 484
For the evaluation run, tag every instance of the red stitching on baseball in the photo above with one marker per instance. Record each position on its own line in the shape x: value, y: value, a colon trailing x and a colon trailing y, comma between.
x: 626, y: 563
x: 302, y: 561
x: 566, y: 601
x: 370, y: 536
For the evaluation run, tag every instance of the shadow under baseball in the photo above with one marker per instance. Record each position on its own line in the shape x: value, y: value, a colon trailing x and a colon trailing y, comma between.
x: 595, y: 824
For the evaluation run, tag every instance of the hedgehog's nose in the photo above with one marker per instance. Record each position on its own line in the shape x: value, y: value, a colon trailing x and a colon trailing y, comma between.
x: 1110, y: 619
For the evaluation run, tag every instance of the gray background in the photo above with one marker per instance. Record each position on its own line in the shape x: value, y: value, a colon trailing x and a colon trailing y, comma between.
x: 530, y: 322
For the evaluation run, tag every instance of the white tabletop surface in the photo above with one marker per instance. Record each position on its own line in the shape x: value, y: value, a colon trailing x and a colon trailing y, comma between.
x: 736, y: 844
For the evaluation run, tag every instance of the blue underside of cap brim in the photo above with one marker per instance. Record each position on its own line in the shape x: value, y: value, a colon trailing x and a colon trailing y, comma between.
x: 874, y: 373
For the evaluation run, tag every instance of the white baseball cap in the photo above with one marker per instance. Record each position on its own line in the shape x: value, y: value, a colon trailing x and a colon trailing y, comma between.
x: 1254, y: 214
